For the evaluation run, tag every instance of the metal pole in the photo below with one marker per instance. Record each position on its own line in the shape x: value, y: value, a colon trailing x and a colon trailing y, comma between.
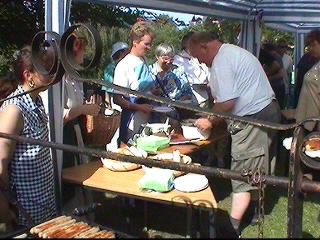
x: 282, y: 182
x: 295, y: 195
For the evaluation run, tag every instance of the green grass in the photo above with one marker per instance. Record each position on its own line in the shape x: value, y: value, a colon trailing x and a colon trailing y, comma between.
x: 276, y: 208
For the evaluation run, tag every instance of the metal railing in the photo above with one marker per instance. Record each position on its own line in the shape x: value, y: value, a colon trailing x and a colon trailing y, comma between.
x: 63, y: 63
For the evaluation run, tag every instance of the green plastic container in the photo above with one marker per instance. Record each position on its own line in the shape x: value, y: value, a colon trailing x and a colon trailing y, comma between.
x: 152, y: 143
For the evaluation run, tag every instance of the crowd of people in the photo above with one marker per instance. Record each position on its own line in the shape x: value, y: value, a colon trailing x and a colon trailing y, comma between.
x: 205, y: 72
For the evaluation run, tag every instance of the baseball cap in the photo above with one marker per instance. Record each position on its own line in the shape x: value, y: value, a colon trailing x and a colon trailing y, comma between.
x: 117, y: 47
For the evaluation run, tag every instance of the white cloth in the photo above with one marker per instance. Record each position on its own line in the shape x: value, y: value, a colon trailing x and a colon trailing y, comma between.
x: 237, y: 74
x: 73, y: 97
x: 195, y: 73
x: 133, y: 73
x: 287, y: 63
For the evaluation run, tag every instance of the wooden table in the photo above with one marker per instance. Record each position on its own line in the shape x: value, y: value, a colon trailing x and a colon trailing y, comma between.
x: 93, y: 175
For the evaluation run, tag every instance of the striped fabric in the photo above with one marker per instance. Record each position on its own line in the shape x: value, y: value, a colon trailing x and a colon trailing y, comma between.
x: 31, y: 168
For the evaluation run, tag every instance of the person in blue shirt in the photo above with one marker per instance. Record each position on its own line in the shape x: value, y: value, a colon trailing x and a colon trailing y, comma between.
x: 119, y: 51
x: 167, y: 79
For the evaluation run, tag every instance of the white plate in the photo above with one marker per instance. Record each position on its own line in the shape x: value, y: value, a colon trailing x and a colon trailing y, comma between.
x: 185, y: 141
x: 313, y: 154
x: 191, y: 183
x: 108, y: 112
x: 162, y: 109
x: 194, y: 132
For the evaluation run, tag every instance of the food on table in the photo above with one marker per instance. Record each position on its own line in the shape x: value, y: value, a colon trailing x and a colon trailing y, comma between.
x: 177, y: 156
x: 119, y: 166
x: 312, y: 144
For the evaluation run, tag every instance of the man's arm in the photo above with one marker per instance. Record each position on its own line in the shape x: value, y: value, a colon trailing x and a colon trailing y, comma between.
x: 208, y: 123
x: 224, y: 107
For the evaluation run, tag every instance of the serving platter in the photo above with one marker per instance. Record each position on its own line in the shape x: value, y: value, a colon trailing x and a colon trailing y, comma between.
x: 162, y: 109
x: 191, y: 183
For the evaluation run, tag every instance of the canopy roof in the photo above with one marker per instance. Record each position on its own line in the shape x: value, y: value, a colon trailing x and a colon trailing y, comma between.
x: 285, y: 15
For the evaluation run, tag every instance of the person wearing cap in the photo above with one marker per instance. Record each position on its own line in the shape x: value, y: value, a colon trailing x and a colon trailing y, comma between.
x: 119, y: 51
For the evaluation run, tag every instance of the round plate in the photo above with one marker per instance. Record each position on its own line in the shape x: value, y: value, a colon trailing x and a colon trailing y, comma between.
x: 191, y: 183
x: 162, y: 109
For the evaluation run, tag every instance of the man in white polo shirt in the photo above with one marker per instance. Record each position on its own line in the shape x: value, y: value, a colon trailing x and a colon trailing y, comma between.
x: 239, y: 86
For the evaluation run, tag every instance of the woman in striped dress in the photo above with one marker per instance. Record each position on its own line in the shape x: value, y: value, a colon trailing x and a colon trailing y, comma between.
x: 26, y: 168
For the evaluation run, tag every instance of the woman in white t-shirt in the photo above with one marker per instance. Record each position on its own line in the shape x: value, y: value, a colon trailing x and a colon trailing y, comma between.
x: 132, y: 72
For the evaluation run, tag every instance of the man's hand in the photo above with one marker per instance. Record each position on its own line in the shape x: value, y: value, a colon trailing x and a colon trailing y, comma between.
x: 203, y: 124
x: 95, y: 99
x: 155, y: 91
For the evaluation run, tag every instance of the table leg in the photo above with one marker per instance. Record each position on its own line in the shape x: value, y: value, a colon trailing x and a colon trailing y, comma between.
x: 211, y: 222
x: 145, y: 217
x: 126, y: 209
x: 189, y: 221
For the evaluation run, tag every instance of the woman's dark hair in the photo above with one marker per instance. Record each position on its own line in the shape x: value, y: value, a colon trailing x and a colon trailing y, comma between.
x: 314, y: 35
x: 8, y: 84
x: 22, y: 61
x: 265, y: 57
x: 269, y: 47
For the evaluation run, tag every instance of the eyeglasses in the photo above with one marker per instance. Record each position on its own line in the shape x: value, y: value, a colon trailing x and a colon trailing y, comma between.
x: 166, y: 59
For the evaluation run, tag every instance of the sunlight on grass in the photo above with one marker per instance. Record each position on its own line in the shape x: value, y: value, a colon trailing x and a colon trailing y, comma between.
x: 275, y: 222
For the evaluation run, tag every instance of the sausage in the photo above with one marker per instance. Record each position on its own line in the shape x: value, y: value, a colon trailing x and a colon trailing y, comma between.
x: 56, y: 228
x: 105, y: 235
x: 65, y: 232
x: 88, y: 232
x: 39, y: 225
x: 77, y: 230
x: 47, y: 224
x: 102, y: 234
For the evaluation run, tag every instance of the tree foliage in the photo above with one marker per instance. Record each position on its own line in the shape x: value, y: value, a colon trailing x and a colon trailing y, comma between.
x: 20, y: 20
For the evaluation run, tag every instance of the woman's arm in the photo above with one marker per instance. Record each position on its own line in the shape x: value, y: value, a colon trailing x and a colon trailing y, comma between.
x: 11, y: 122
x: 89, y: 108
x: 125, y: 104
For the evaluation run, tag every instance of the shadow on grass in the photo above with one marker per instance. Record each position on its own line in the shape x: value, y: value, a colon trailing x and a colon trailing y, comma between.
x: 308, y: 235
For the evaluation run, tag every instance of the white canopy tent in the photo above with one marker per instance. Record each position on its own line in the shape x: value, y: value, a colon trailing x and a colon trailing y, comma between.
x: 295, y: 16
